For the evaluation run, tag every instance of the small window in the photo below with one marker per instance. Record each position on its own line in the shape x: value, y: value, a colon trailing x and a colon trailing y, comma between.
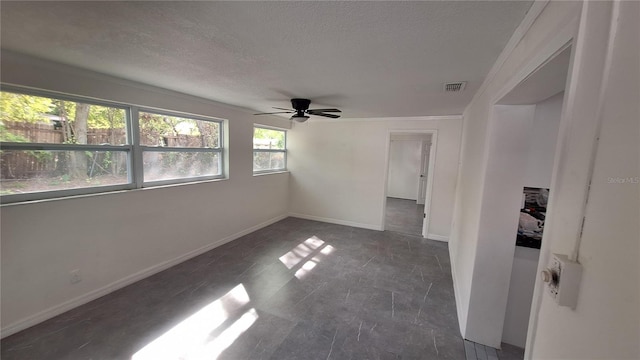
x: 61, y: 146
x: 269, y: 150
x: 176, y: 147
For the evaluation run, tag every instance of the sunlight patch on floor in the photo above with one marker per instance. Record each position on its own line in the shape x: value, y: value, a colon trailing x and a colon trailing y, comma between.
x: 313, y: 250
x: 191, y: 338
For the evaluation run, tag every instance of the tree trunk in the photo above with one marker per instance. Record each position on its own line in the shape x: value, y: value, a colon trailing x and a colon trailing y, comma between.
x: 79, y: 159
x: 203, y: 135
x: 114, y: 159
x: 67, y: 135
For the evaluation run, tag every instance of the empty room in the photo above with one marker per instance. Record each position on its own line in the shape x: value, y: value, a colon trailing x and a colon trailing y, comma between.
x: 320, y: 180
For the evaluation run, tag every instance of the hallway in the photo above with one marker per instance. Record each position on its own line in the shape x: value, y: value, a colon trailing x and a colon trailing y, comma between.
x: 404, y: 216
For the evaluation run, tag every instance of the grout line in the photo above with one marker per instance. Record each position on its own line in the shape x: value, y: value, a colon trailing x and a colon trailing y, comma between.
x: 434, y: 343
x: 368, y: 261
x: 334, y: 340
x: 392, y: 304
x: 436, y: 256
x: 427, y: 294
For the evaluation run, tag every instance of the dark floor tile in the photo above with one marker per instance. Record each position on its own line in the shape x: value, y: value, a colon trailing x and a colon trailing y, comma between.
x: 310, y: 340
x: 404, y: 216
x: 261, y: 340
x: 297, y: 289
x: 510, y: 352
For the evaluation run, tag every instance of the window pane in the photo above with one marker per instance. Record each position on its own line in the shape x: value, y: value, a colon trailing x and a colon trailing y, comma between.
x: 173, y: 131
x: 168, y: 165
x: 35, y: 119
x: 268, y: 160
x: 268, y: 138
x: 28, y: 171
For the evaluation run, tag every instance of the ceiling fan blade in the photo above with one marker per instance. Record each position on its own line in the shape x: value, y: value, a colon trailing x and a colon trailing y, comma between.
x: 326, y: 115
x: 279, y: 108
x: 277, y: 112
x: 324, y: 110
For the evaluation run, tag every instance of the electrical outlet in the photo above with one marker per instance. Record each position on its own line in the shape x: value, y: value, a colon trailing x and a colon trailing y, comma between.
x: 74, y: 276
x: 562, y: 279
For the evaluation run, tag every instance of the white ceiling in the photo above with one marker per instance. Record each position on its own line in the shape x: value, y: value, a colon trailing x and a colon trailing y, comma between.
x: 371, y: 59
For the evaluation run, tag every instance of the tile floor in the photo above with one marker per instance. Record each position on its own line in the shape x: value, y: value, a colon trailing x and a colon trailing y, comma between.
x: 475, y: 351
x: 404, y: 216
x: 297, y: 289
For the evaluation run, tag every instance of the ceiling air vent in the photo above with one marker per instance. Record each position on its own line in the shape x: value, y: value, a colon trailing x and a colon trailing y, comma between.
x: 455, y: 86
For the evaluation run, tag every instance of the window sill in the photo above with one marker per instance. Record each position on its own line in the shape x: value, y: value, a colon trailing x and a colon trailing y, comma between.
x: 270, y: 172
x: 109, y: 192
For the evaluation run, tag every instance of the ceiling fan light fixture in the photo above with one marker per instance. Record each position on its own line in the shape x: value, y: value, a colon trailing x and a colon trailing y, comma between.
x: 300, y: 118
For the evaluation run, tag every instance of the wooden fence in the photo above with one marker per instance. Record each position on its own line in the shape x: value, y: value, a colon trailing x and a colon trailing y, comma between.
x: 33, y: 163
x: 29, y: 164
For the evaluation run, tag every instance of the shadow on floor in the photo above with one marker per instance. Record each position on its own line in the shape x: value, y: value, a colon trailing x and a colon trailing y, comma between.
x: 475, y: 351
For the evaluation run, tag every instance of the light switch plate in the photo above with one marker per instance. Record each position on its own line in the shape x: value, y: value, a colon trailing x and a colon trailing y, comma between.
x: 565, y: 280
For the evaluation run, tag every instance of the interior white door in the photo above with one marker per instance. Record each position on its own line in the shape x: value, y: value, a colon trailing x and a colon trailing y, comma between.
x: 404, y: 169
x: 424, y: 171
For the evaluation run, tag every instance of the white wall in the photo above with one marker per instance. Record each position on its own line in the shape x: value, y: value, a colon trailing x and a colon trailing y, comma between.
x: 521, y: 285
x: 117, y: 238
x: 535, y: 32
x: 538, y: 170
x: 508, y: 146
x: 543, y: 23
x: 404, y: 169
x: 605, y: 323
x: 338, y: 169
x: 542, y: 142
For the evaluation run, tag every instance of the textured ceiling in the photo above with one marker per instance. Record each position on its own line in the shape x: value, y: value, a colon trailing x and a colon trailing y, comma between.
x: 371, y: 59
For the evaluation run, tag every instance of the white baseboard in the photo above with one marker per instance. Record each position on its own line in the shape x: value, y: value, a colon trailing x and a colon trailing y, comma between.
x: 90, y: 296
x: 438, y: 237
x: 336, y: 221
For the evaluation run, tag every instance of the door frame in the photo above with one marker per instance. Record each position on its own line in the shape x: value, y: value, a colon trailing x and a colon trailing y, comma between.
x: 430, y: 174
x: 563, y: 40
x: 424, y: 147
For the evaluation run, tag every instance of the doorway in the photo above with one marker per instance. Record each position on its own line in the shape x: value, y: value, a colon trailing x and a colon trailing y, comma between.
x: 407, y: 189
x: 525, y: 129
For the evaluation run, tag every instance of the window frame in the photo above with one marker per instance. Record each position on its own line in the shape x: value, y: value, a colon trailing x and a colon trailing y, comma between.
x: 133, y: 149
x: 284, y: 151
x: 148, y: 148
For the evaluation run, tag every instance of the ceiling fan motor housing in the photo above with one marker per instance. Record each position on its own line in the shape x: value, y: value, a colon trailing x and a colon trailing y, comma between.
x: 300, y: 104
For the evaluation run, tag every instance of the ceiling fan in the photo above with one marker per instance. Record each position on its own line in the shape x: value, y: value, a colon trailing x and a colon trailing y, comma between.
x: 301, y: 111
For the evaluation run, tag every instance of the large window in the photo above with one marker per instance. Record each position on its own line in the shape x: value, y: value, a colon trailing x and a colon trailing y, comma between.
x: 176, y: 147
x: 269, y: 149
x: 54, y: 146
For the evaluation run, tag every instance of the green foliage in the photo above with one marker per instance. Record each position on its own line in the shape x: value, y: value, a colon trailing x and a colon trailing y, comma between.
x: 18, y: 107
x: 101, y: 117
x: 64, y: 109
x: 41, y: 155
x: 28, y: 108
x: 276, y: 138
x: 156, y: 129
x: 6, y: 136
x: 103, y: 125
